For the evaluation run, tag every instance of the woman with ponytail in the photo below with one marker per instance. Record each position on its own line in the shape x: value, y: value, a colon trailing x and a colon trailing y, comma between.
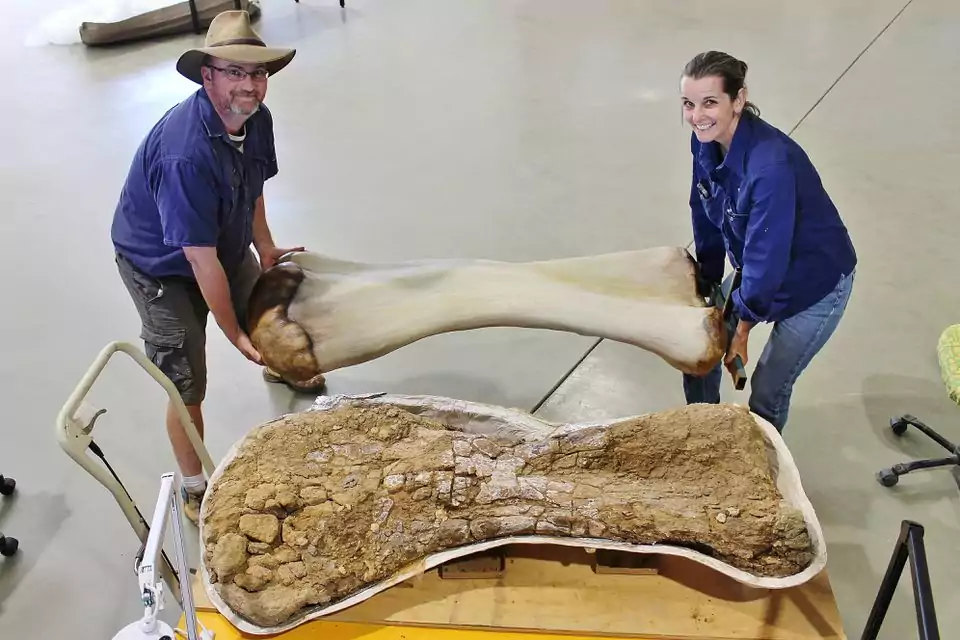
x: 758, y: 200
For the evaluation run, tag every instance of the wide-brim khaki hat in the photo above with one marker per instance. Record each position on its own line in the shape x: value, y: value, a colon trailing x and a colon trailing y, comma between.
x: 232, y: 38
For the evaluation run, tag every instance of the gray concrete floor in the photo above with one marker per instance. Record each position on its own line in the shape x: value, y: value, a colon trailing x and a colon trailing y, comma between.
x: 508, y: 130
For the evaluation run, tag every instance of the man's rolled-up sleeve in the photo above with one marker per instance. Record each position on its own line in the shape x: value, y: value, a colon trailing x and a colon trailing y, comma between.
x: 768, y: 242
x: 189, y: 203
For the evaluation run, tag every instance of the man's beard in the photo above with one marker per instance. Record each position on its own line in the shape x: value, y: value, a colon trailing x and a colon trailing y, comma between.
x: 234, y: 107
x: 243, y: 111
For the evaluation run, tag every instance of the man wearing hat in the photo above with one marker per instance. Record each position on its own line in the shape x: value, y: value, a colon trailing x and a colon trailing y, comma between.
x: 190, y: 208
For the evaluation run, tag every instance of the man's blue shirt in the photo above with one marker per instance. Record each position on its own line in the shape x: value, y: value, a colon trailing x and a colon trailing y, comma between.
x: 765, y: 207
x: 189, y: 185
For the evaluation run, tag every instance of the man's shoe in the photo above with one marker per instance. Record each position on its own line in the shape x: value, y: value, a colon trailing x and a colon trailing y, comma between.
x: 316, y: 383
x: 191, y: 505
x: 272, y: 376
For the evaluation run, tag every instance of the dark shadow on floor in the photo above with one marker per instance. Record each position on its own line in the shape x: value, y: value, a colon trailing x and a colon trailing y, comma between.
x: 34, y: 519
x: 890, y: 396
x: 839, y: 445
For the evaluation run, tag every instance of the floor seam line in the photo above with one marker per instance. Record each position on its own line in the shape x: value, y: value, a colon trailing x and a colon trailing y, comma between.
x: 850, y: 66
x: 689, y: 244
x: 564, y: 377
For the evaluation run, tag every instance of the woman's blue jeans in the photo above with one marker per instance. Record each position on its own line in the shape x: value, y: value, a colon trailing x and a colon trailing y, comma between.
x: 792, y: 345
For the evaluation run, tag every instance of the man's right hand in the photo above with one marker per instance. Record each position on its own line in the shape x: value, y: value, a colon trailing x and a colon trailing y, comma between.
x: 216, y: 292
x: 246, y: 347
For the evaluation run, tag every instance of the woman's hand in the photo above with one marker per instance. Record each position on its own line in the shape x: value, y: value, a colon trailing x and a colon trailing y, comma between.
x: 738, y: 346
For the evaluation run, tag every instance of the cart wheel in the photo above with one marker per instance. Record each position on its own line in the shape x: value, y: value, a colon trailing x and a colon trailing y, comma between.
x: 887, y: 477
x: 8, y: 546
x: 7, y: 486
x: 899, y: 426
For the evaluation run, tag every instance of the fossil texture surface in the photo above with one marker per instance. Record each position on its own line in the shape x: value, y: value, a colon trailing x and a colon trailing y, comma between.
x: 322, y: 508
x: 313, y: 314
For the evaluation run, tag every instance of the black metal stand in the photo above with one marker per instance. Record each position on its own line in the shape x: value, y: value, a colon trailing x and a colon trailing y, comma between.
x: 909, y: 544
x: 238, y: 4
x: 195, y: 17
x: 342, y: 3
x: 891, y: 475
x: 8, y: 545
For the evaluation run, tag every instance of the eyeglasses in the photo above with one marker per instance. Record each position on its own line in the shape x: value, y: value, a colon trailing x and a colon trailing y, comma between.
x: 235, y: 74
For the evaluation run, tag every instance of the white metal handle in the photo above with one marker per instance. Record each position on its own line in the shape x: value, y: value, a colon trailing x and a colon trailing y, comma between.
x: 66, y: 421
x: 74, y: 439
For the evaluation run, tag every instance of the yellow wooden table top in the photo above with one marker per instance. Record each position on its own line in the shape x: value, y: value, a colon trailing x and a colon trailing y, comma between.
x: 552, y: 592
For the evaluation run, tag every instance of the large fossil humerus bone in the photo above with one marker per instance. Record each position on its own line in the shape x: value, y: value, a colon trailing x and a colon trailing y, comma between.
x: 313, y: 314
x: 319, y: 510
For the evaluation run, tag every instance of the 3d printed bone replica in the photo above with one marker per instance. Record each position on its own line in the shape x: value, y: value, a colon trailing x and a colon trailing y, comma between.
x: 316, y: 511
x: 110, y: 22
x: 313, y: 314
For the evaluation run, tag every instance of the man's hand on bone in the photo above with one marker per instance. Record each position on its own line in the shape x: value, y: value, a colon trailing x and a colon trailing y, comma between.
x: 269, y: 257
x: 245, y: 346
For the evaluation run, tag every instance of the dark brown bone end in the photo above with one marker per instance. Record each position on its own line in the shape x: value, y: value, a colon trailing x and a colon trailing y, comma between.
x: 717, y: 331
x: 283, y: 344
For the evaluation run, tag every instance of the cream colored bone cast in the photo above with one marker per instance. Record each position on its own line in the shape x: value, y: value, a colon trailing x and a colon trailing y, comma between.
x: 314, y: 314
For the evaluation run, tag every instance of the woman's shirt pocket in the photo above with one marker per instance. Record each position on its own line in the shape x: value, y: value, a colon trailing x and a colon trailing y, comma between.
x: 711, y: 198
x: 735, y: 224
x: 736, y: 221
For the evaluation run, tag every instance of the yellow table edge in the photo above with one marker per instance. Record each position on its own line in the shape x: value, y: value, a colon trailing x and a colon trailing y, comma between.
x: 319, y: 630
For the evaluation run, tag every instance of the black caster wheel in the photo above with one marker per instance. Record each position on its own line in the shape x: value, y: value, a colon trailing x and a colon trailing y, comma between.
x: 7, y: 486
x: 8, y: 546
x: 887, y: 477
x: 899, y: 426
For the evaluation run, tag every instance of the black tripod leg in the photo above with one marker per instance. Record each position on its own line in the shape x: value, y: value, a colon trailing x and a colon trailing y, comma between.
x: 890, y: 579
x: 922, y: 591
x: 909, y: 544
